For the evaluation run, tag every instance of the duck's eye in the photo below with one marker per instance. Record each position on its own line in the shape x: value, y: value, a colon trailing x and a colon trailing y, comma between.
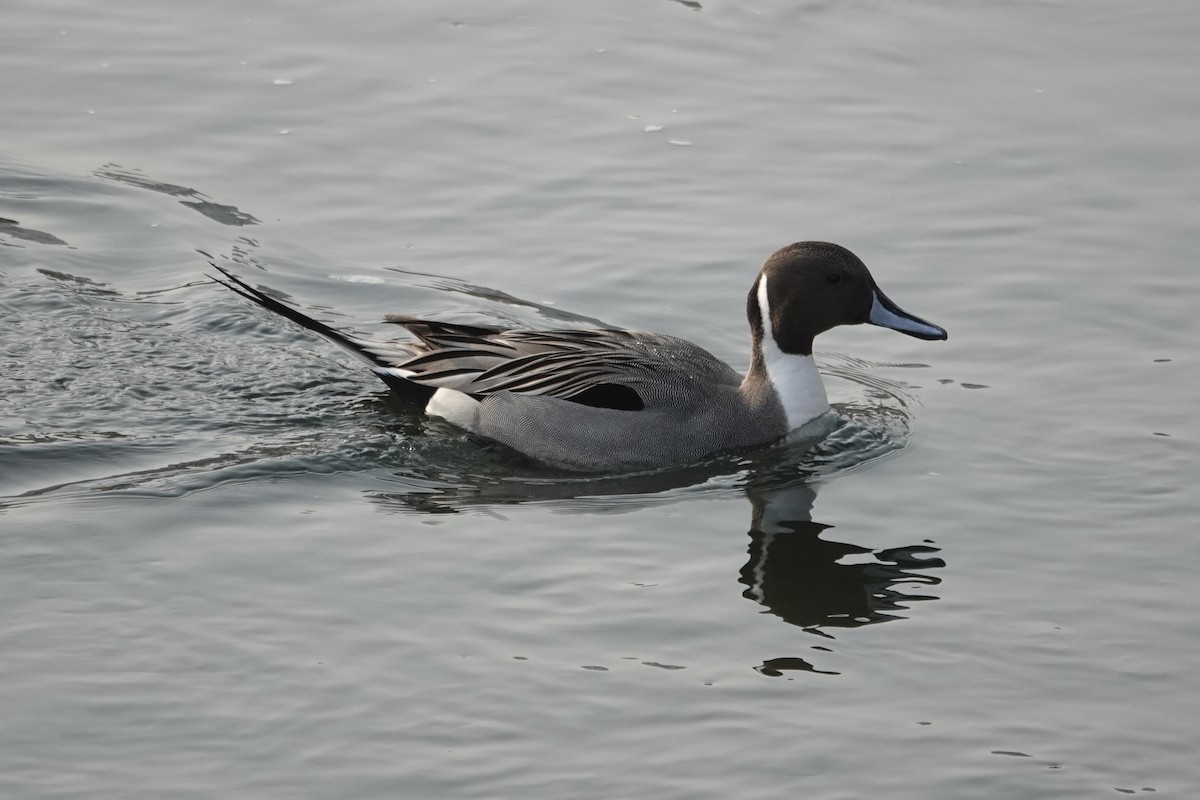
x: 834, y: 278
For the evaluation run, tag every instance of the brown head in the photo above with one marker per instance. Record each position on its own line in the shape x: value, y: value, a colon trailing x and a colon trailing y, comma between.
x: 809, y: 287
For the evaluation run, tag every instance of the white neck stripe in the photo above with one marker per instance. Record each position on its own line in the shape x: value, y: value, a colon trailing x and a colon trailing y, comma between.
x: 795, y: 378
x: 764, y: 308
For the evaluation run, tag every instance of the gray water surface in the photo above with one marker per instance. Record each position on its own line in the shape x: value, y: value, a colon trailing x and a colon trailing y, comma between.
x: 235, y: 567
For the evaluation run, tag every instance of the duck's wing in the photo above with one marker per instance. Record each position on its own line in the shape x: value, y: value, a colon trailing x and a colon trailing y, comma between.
x: 600, y: 367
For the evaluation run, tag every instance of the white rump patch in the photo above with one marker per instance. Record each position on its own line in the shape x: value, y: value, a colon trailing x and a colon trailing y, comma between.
x: 449, y: 404
x: 454, y: 407
x: 796, y: 378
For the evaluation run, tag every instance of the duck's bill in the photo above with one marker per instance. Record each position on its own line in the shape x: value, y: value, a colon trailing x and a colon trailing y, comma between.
x: 887, y: 314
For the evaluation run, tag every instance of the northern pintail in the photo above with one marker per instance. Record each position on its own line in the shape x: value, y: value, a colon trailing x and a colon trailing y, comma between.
x: 603, y: 399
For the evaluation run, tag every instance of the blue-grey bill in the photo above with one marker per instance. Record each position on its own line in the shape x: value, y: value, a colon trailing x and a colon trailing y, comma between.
x: 887, y: 314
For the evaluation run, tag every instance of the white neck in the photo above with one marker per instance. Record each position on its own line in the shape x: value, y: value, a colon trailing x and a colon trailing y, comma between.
x: 795, y: 378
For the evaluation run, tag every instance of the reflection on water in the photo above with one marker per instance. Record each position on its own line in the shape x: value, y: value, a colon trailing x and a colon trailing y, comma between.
x: 812, y: 581
x: 815, y: 582
x: 795, y: 570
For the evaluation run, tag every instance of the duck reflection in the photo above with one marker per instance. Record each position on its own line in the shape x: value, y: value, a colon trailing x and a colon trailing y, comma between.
x: 796, y: 568
x: 815, y: 582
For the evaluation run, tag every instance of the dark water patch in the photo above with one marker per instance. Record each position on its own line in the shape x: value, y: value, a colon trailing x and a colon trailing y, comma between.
x: 80, y: 283
x: 35, y: 465
x: 12, y: 229
x: 217, y: 212
x: 779, y: 667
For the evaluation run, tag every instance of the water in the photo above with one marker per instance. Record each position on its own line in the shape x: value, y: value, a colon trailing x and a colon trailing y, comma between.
x: 234, y: 567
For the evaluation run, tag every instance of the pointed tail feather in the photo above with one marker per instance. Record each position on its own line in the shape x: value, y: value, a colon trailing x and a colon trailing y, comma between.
x: 404, y: 388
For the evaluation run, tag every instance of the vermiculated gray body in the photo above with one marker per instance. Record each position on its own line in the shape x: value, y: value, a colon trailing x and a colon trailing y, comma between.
x: 694, y: 405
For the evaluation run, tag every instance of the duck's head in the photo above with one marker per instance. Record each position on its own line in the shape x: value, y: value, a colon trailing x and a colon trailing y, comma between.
x: 807, y: 288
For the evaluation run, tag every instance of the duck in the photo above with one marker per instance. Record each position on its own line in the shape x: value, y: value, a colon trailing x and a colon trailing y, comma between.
x: 604, y: 399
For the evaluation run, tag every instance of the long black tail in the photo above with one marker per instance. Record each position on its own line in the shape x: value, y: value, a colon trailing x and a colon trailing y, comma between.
x: 405, y: 389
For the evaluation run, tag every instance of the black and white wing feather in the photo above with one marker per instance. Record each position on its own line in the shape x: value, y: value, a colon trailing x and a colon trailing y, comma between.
x: 605, y: 368
x: 601, y: 367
